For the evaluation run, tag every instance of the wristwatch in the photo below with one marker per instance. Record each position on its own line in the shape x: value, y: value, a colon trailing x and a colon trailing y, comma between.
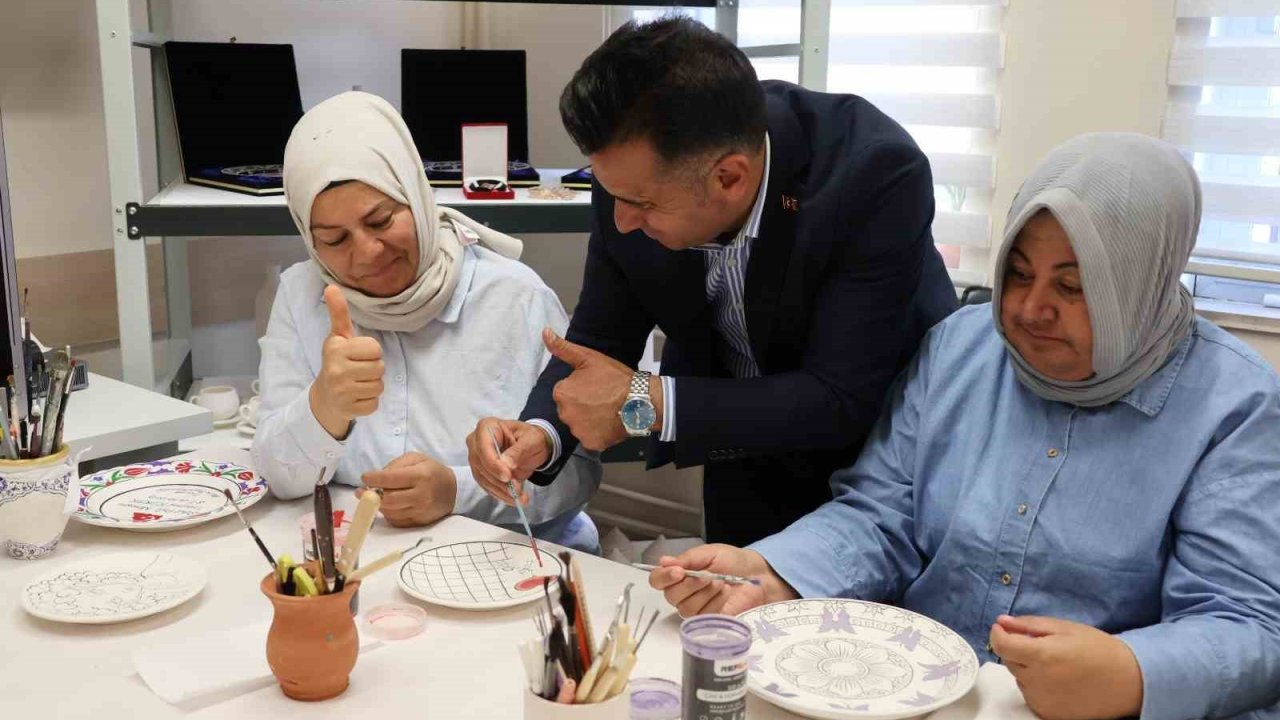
x: 637, y: 413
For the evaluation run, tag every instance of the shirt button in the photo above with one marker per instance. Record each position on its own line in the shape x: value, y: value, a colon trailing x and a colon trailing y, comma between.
x: 1005, y: 579
x: 733, y: 263
x: 1053, y: 452
x: 1022, y: 509
x: 329, y: 454
x: 399, y: 377
x: 396, y: 432
x: 989, y: 648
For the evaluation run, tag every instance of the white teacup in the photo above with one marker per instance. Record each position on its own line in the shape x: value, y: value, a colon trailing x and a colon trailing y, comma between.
x: 33, y: 503
x: 222, y: 400
x: 249, y: 411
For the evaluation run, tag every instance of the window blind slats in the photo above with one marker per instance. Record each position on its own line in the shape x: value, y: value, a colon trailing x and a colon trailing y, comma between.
x: 964, y: 169
x: 1243, y: 65
x: 972, y: 49
x: 1227, y: 8
x: 1231, y: 134
x: 1238, y: 202
x: 943, y: 109
x: 961, y: 228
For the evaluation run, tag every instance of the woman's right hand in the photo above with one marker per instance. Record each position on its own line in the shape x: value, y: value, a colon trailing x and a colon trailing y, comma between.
x: 350, y: 379
x: 698, y: 596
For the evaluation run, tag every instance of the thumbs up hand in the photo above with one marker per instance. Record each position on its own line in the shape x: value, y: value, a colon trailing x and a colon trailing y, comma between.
x: 351, y: 369
x: 588, y: 401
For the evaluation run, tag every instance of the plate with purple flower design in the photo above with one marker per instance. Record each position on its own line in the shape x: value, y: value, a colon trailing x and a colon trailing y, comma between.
x: 165, y: 494
x: 854, y: 660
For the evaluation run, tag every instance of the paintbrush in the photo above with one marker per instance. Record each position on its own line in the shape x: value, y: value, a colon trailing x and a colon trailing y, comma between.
x: 511, y: 487
x: 385, y: 560
x: 265, y: 552
x: 703, y: 574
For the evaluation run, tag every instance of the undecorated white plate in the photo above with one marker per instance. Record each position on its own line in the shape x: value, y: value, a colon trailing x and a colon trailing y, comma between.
x: 855, y: 660
x: 165, y: 494
x: 479, y: 575
x: 114, y: 588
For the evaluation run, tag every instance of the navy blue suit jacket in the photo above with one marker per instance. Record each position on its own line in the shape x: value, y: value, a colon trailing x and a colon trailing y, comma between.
x: 841, y: 286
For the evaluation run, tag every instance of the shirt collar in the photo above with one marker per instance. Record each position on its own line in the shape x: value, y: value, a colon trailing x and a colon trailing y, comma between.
x: 1150, y: 395
x: 752, y: 227
x: 466, y: 274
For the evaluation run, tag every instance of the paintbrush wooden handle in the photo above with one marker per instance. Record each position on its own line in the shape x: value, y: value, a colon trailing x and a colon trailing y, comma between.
x: 375, y: 566
x: 589, y: 678
x: 360, y: 524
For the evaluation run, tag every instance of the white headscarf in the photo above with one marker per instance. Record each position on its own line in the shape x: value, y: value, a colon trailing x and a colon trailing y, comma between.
x: 358, y: 136
x: 1130, y: 205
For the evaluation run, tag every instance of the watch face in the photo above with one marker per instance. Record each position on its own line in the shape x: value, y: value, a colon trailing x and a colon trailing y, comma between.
x: 638, y: 414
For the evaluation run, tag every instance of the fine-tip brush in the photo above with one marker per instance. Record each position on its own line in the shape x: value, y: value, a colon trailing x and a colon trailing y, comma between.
x: 261, y: 546
x: 702, y: 574
x: 511, y: 488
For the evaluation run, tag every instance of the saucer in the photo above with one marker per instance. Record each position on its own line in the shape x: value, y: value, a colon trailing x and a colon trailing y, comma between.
x: 245, y: 428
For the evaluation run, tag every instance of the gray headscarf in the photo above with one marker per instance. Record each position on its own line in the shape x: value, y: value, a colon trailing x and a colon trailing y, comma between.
x: 1131, y: 206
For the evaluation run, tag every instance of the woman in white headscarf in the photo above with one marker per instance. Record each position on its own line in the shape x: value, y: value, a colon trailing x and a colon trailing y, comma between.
x: 1082, y: 480
x: 408, y: 324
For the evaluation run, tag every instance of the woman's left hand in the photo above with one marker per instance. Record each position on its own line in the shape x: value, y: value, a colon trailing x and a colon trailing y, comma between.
x: 417, y: 490
x: 1067, y: 670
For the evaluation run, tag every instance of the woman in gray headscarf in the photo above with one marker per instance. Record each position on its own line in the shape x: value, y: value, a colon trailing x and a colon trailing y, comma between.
x: 1083, y: 480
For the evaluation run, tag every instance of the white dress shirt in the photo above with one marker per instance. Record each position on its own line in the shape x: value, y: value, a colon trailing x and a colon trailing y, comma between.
x: 479, y: 357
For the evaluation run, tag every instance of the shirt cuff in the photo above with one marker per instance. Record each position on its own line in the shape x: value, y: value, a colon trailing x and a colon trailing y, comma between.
x: 1181, y: 670
x: 668, y: 409
x: 550, y: 430
x: 311, y: 437
x: 468, y: 494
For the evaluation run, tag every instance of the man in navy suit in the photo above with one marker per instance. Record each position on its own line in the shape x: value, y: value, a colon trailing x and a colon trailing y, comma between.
x: 779, y: 237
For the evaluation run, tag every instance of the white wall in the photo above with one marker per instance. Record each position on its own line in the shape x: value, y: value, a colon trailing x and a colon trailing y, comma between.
x: 51, y: 104
x: 1076, y: 66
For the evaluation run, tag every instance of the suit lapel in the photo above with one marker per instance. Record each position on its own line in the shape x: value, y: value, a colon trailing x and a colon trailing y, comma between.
x: 771, y: 251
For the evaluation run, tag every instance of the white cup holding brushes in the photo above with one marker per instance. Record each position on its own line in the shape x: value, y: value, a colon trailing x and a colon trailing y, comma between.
x: 249, y: 411
x: 221, y: 400
x: 617, y: 707
x: 34, y: 503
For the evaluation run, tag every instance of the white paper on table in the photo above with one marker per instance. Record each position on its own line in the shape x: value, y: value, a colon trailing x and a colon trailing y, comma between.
x: 995, y: 696
x: 224, y: 662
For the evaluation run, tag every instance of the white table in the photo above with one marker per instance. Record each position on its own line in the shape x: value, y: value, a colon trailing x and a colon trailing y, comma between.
x: 113, y: 418
x: 463, y: 666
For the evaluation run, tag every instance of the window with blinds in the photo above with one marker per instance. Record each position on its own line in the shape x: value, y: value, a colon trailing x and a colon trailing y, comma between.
x: 933, y: 65
x: 1224, y: 114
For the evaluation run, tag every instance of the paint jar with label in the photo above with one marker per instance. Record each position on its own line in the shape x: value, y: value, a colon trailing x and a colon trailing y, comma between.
x: 715, y: 667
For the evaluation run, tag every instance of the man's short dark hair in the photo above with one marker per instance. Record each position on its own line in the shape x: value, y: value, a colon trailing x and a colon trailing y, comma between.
x: 674, y: 82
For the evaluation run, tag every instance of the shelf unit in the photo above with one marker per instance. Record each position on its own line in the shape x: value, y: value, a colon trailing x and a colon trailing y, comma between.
x: 181, y: 210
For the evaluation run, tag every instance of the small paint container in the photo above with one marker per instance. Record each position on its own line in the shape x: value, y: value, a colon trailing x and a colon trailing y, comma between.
x: 655, y: 699
x: 715, y: 667
x: 395, y: 621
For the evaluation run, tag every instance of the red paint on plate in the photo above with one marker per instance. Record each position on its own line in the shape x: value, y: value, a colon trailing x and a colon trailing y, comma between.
x: 529, y: 584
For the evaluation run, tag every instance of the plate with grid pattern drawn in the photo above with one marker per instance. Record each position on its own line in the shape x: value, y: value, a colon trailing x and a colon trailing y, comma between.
x: 479, y: 575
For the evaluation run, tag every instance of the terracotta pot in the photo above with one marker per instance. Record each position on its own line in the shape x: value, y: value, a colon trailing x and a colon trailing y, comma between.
x: 312, y: 644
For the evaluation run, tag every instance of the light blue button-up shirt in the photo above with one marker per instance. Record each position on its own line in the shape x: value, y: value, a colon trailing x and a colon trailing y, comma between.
x: 1156, y: 518
x: 479, y: 357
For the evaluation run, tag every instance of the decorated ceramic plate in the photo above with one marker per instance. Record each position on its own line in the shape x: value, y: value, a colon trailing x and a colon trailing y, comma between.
x: 114, y: 588
x: 165, y: 494
x: 481, y: 575
x: 855, y: 660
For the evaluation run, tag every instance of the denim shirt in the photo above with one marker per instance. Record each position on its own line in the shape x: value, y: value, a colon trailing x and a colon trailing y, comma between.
x: 1155, y: 518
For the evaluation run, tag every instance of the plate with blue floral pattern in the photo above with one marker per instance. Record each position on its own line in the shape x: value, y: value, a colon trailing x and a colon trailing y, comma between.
x: 854, y: 660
